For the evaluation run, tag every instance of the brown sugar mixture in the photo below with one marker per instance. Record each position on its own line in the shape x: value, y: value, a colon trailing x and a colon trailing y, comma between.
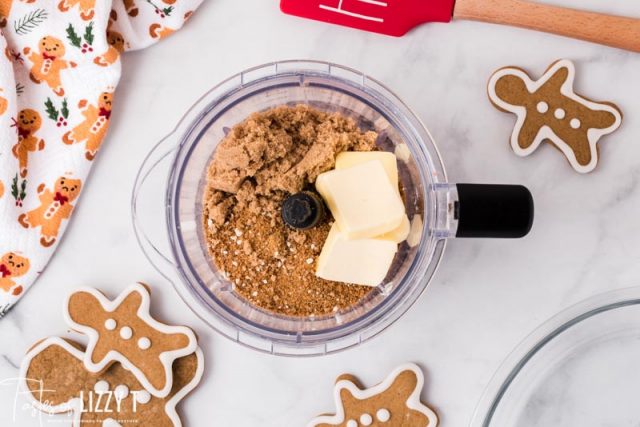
x: 258, y: 164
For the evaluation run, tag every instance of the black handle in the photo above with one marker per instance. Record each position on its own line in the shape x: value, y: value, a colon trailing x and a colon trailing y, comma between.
x: 498, y: 211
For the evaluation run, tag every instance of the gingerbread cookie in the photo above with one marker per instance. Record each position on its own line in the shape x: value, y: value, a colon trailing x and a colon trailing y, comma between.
x: 393, y: 403
x: 123, y: 331
x: 549, y: 109
x: 56, y: 381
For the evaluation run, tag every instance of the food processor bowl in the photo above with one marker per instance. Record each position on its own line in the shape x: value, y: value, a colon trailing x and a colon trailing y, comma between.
x: 174, y: 241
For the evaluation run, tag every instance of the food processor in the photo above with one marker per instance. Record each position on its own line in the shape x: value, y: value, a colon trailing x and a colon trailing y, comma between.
x: 168, y: 219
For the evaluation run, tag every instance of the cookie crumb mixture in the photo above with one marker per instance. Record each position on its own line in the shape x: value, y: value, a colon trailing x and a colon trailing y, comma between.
x: 258, y: 164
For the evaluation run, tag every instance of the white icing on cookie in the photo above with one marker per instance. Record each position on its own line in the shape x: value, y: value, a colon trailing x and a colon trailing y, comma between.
x: 559, y: 114
x: 142, y: 396
x: 383, y: 415
x: 101, y: 387
x: 366, y: 419
x: 110, y: 324
x: 575, y: 123
x: 126, y: 333
x: 121, y: 392
x: 167, y: 358
x: 144, y: 343
x: 413, y: 402
x: 352, y: 423
x: 542, y: 107
x: 545, y: 132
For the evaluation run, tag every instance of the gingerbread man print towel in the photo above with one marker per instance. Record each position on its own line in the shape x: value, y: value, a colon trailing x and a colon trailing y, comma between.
x: 59, y: 67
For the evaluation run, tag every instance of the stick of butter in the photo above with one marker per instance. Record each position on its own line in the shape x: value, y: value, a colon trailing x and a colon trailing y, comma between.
x: 400, y: 233
x: 347, y: 159
x: 362, y: 200
x: 361, y: 262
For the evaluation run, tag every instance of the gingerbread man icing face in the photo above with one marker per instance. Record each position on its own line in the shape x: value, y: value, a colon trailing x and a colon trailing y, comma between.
x: 393, y: 403
x: 123, y: 331
x: 549, y: 110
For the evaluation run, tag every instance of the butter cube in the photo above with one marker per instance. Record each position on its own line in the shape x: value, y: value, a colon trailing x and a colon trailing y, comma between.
x: 347, y: 159
x: 403, y: 153
x: 361, y: 261
x: 415, y: 232
x: 362, y: 200
x: 399, y: 234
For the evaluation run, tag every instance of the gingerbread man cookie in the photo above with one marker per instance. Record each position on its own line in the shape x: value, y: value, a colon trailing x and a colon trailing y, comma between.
x: 393, y: 403
x: 549, y: 109
x: 56, y: 381
x: 123, y: 331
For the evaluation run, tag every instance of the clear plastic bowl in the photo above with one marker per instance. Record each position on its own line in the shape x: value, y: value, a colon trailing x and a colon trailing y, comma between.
x: 174, y: 242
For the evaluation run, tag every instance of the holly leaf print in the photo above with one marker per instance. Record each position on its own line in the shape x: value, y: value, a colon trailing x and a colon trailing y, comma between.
x: 88, y: 34
x: 23, y: 189
x: 65, y: 109
x: 18, y: 190
x: 52, y: 111
x: 14, y: 187
x: 166, y: 11
x: 29, y: 22
x: 73, y: 37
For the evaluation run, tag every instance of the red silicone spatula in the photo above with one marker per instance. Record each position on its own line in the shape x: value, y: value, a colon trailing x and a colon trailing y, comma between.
x: 397, y: 17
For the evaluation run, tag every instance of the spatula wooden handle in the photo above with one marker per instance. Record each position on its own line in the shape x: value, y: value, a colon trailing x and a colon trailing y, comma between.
x: 616, y: 31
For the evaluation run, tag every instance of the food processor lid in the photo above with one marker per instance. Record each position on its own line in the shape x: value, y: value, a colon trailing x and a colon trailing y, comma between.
x: 581, y: 368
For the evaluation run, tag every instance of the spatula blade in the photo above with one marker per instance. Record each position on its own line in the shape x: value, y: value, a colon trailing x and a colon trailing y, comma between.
x: 390, y: 17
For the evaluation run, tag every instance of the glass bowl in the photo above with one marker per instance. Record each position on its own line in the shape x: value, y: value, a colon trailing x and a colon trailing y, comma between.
x: 580, y: 368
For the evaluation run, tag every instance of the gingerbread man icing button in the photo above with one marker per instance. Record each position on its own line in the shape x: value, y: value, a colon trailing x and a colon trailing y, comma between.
x: 548, y: 109
x: 393, y: 403
x: 123, y: 331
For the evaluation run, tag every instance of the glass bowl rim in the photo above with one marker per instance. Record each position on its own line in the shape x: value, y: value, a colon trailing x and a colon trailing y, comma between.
x: 536, y: 341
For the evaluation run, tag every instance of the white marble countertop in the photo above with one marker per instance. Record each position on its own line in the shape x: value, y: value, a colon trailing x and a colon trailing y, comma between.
x: 487, y: 296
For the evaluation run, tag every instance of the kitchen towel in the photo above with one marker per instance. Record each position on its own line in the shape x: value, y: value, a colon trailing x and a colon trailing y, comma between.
x: 59, y: 67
